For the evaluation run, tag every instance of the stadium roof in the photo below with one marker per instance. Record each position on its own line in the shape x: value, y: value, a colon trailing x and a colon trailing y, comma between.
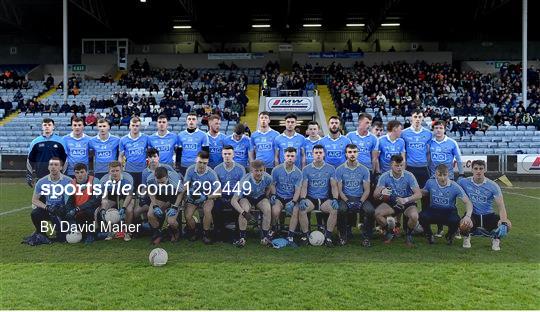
x: 142, y: 20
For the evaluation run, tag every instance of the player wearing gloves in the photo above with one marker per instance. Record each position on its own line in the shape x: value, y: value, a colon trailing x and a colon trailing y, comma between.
x: 286, y: 191
x: 483, y: 192
x: 319, y: 191
x: 164, y: 203
x: 49, y: 206
x: 202, y: 188
x: 353, y: 182
x: 399, y: 192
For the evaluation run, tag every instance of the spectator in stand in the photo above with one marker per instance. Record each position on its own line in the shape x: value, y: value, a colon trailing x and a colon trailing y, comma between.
x: 464, y: 127
x: 91, y: 119
x: 49, y: 82
x: 474, y: 126
x: 527, y: 120
x: 487, y: 122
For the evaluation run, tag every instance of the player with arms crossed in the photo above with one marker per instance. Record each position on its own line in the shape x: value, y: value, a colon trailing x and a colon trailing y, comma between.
x: 255, y: 190
x: 229, y: 173
x: 49, y: 205
x: 103, y: 148
x: 483, y: 192
x: 262, y: 142
x: 319, y: 191
x: 389, y: 145
x: 399, y: 191
x: 241, y: 145
x: 165, y: 203
x: 334, y: 143
x: 286, y: 191
x: 443, y: 193
x: 201, y: 188
x: 353, y: 183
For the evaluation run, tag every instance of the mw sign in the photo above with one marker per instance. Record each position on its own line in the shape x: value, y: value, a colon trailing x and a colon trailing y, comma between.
x: 289, y: 104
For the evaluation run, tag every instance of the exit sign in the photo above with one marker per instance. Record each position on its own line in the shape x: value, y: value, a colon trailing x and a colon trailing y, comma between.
x: 78, y: 68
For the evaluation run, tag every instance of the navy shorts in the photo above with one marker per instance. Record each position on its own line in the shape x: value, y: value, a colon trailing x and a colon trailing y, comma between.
x: 488, y: 221
x: 137, y: 179
x: 316, y: 202
x: 399, y: 209
x: 420, y: 173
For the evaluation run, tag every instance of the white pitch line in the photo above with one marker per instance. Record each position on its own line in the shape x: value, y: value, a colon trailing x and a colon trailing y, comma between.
x: 14, y: 210
x: 523, y: 195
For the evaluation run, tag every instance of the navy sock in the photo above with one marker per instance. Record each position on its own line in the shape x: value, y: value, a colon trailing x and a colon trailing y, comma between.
x: 290, y: 234
x: 327, y: 234
x: 242, y: 234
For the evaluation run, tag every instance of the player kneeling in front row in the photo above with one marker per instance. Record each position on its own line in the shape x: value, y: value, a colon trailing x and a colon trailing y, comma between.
x: 318, y: 185
x: 483, y: 192
x: 202, y: 188
x: 48, y: 205
x: 353, y: 183
x: 118, y: 188
x: 165, y: 190
x: 255, y: 190
x: 82, y: 205
x: 285, y: 193
x: 442, y: 194
x: 399, y: 192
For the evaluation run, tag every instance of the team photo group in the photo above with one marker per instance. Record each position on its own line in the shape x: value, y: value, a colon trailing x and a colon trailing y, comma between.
x: 290, y: 188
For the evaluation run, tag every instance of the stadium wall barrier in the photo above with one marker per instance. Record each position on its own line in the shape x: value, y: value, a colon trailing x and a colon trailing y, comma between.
x: 492, y: 66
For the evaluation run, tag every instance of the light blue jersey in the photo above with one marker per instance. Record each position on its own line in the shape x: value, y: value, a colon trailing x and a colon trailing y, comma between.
x: 444, y: 152
x: 206, y: 183
x: 147, y: 172
x: 443, y: 197
x: 334, y: 150
x: 263, y: 145
x: 191, y: 144
x: 255, y: 189
x: 387, y: 149
x: 76, y: 150
x: 109, y: 185
x: 216, y: 147
x: 241, y: 148
x: 174, y: 180
x: 352, y: 179
x: 46, y: 187
x: 401, y: 187
x: 481, y: 195
x: 416, y: 144
x: 286, y: 182
x: 230, y: 179
x: 366, y: 145
x: 319, y: 178
x: 104, y: 152
x: 282, y: 142
x: 308, y: 149
x: 135, y: 151
x: 165, y: 145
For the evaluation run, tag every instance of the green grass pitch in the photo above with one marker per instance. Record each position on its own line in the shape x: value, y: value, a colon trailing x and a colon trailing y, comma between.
x: 117, y: 275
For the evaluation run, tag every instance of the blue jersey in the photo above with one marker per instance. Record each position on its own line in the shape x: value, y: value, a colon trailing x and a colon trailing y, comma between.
x: 444, y: 152
x: 387, y: 149
x: 216, y: 146
x: 286, y: 182
x: 308, y: 149
x: 254, y: 189
x: 318, y: 179
x: 104, y: 152
x: 241, y: 148
x: 45, y: 186
x: 401, y: 187
x: 174, y: 180
x: 230, y: 179
x: 352, y: 179
x: 443, y: 197
x: 334, y: 150
x: 147, y: 172
x: 481, y: 195
x: 76, y: 150
x: 135, y: 152
x: 191, y: 144
x: 165, y: 145
x: 416, y: 144
x: 282, y: 142
x: 42, y: 149
x: 366, y: 145
x: 206, y: 183
x: 263, y: 145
